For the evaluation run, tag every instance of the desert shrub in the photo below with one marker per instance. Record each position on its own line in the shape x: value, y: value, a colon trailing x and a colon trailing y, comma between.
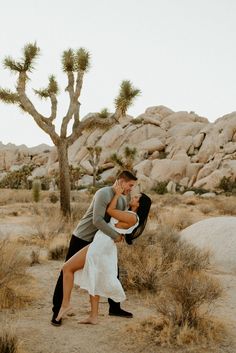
x: 154, y: 331
x: 206, y: 209
x: 45, y: 182
x: 227, y: 206
x: 160, y: 187
x: 137, y: 121
x: 58, y: 249
x: 156, y: 253
x: 139, y: 267
x: 228, y: 185
x: 174, y: 272
x: 48, y: 224
x: 53, y: 197
x: 14, y: 280
x: 17, y: 179
x: 184, y: 293
x: 198, y: 191
x: 177, y: 218
x: 36, y: 188
x: 162, y: 155
x: 9, y: 342
x: 34, y: 258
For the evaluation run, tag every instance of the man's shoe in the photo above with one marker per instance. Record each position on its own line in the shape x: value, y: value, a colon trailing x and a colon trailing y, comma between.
x: 121, y: 313
x: 54, y: 322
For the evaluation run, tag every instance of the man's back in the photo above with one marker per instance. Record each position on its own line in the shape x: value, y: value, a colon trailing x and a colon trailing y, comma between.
x: 94, y: 218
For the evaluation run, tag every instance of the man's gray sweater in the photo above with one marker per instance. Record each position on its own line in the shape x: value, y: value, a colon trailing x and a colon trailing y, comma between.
x: 94, y: 218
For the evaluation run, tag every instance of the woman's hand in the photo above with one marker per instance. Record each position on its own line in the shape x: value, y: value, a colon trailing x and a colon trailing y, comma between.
x: 118, y: 189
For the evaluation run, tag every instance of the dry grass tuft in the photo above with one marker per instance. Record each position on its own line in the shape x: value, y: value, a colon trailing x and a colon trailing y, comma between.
x: 34, y: 257
x: 184, y: 293
x: 58, y: 249
x: 205, y: 209
x: 190, y: 200
x: 9, y: 343
x: 48, y: 224
x: 227, y: 206
x: 15, y: 283
x: 176, y: 218
x: 160, y: 331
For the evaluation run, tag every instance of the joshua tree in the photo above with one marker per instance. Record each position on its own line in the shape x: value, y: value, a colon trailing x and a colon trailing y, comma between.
x: 75, y: 64
x: 127, y: 160
x: 94, y: 158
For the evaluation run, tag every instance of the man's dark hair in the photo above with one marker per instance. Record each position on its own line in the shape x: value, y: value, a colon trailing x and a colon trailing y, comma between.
x: 127, y: 175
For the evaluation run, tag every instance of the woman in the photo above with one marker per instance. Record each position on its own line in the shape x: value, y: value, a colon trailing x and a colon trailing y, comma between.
x: 97, y: 262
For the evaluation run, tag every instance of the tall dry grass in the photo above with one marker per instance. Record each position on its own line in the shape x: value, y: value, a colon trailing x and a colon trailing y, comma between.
x: 226, y: 206
x: 156, y: 253
x: 175, y: 274
x: 15, y: 283
x: 9, y: 343
x: 9, y: 196
x: 178, y: 218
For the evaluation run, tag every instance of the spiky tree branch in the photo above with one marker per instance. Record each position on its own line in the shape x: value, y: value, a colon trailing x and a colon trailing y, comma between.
x: 125, y: 98
x: 78, y: 62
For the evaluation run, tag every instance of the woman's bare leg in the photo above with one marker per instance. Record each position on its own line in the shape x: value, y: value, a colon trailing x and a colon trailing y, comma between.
x: 75, y: 263
x: 93, y: 317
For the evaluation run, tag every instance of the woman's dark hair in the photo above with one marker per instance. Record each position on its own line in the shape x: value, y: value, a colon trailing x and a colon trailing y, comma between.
x: 142, y: 212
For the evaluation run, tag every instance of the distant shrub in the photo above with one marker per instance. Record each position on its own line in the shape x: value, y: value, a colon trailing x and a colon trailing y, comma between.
x: 160, y: 187
x: 228, y: 185
x: 45, y: 182
x: 198, y: 191
x: 34, y: 257
x: 18, y: 179
x: 162, y: 155
x: 53, y: 198
x: 137, y: 121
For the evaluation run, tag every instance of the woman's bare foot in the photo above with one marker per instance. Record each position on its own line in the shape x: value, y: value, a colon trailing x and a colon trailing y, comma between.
x: 90, y: 320
x: 64, y: 310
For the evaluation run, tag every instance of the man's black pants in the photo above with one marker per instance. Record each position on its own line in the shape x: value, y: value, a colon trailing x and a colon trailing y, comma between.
x: 75, y: 245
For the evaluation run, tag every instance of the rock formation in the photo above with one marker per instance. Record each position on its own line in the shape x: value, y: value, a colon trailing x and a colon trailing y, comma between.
x: 171, y: 146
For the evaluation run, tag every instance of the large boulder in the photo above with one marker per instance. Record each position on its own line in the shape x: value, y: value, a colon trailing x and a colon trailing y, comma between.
x: 217, y: 234
x: 167, y: 169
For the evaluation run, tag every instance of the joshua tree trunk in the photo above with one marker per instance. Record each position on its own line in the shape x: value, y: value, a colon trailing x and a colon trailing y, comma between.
x: 94, y: 176
x: 62, y: 150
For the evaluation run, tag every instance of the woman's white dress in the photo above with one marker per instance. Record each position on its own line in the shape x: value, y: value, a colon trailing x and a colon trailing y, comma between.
x: 99, y: 275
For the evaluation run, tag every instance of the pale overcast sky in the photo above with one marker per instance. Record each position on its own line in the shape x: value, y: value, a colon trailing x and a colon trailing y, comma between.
x: 180, y: 53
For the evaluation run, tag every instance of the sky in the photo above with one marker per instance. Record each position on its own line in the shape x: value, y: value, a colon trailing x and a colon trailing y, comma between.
x: 179, y: 53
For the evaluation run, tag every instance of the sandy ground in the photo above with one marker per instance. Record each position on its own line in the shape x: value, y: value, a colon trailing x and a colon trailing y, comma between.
x: 33, y: 328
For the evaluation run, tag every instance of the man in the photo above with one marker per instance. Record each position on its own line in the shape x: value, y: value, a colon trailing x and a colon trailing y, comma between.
x: 95, y: 218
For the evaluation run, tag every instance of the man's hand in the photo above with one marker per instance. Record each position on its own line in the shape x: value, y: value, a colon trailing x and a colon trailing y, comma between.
x: 119, y: 238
